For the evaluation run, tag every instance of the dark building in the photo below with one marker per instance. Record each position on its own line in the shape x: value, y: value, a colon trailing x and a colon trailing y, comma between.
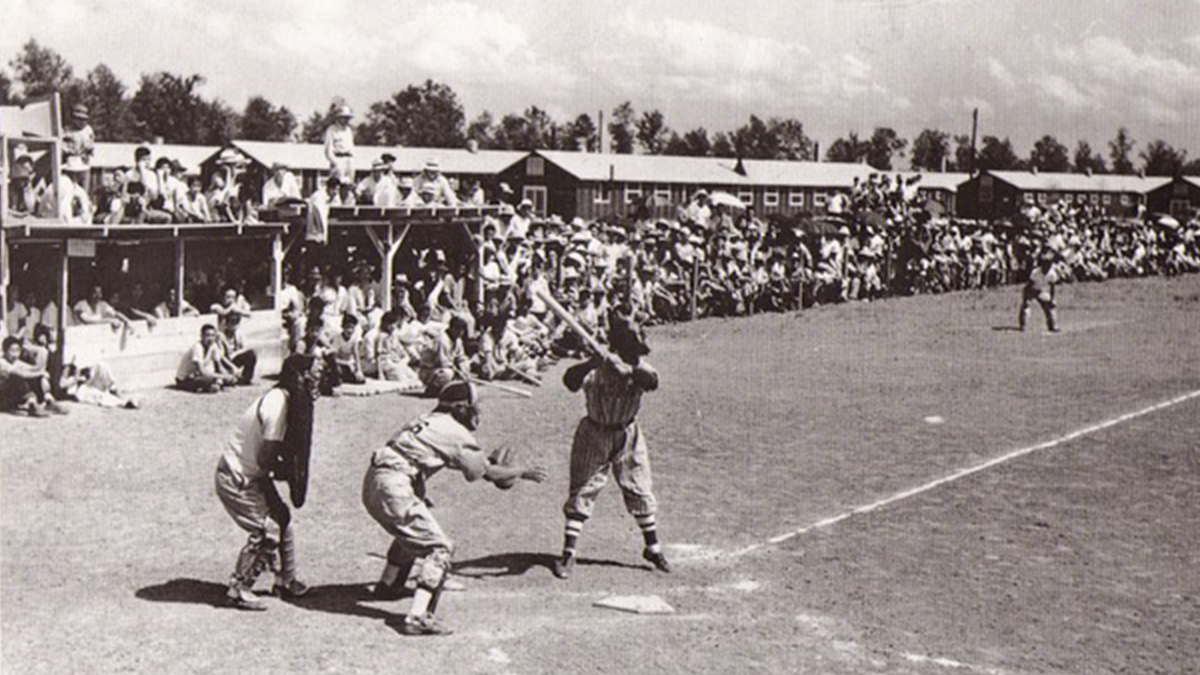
x: 1180, y: 197
x: 1000, y: 194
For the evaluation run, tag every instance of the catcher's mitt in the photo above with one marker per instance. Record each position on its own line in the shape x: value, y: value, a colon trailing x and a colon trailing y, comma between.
x: 503, y: 456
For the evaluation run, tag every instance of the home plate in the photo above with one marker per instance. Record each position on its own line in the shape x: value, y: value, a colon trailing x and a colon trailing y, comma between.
x: 638, y: 604
x: 934, y: 419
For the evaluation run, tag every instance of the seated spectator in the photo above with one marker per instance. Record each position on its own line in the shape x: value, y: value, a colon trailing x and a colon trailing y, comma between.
x: 22, y: 198
x: 199, y: 369
x: 408, y: 196
x: 503, y: 357
x: 94, y: 385
x: 433, y: 187
x: 72, y: 203
x: 232, y: 303
x: 24, y: 387
x: 194, y: 204
x: 445, y: 359
x: 140, y: 306
x: 238, y: 359
x: 347, y: 353
x: 394, y: 354
x: 161, y: 206
x: 282, y: 189
x: 94, y: 310
x: 166, y: 308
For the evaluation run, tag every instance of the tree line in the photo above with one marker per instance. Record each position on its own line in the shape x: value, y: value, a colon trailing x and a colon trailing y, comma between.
x: 170, y: 106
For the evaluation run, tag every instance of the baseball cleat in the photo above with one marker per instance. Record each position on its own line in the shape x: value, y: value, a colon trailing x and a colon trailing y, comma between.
x: 423, y: 625
x: 655, y: 558
x: 290, y: 589
x: 240, y: 598
x: 564, y: 566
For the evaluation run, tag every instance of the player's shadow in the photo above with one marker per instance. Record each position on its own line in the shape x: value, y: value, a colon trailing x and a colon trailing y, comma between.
x: 1006, y: 329
x: 517, y: 564
x: 186, y: 591
x: 346, y: 599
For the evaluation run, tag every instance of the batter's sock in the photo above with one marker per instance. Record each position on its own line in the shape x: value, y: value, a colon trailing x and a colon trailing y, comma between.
x: 649, y: 526
x: 571, y: 536
x: 390, y: 574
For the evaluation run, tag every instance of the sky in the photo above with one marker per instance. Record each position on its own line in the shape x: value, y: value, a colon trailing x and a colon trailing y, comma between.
x: 1076, y: 69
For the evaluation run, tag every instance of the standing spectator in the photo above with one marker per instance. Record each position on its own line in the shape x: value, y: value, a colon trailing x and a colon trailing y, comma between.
x: 519, y: 224
x: 339, y: 145
x: 79, y: 140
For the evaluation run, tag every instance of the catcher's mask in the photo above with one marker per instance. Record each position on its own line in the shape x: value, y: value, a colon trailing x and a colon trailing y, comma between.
x: 458, y: 399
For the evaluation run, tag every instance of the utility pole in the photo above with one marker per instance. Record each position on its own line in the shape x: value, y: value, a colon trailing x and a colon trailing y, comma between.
x: 974, y: 132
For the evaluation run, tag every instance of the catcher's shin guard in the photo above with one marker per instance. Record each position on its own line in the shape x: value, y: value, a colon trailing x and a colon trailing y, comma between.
x: 256, y: 557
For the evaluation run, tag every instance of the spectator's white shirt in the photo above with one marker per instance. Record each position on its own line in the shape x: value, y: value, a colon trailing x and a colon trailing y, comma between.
x: 275, y: 190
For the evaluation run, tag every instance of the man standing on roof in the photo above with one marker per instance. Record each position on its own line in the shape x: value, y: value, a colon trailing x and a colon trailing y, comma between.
x: 443, y: 194
x: 79, y: 140
x: 339, y: 145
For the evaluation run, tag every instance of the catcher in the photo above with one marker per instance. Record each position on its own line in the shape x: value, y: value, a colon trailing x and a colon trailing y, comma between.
x: 608, y: 437
x: 272, y: 442
x: 394, y: 495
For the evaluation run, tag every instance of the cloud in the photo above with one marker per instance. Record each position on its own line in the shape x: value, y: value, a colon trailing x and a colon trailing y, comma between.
x: 1001, y: 73
x: 1162, y: 86
x: 966, y: 104
x: 1062, y: 91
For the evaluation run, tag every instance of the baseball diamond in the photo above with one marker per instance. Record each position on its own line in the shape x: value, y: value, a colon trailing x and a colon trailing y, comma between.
x: 822, y: 337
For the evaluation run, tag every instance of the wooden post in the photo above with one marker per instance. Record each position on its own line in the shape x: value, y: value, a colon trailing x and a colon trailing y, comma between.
x: 387, y: 270
x: 695, y: 282
x: 277, y: 254
x: 59, y: 356
x: 180, y: 275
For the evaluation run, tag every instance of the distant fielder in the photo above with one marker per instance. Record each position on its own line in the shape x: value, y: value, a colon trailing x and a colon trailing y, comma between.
x: 609, y: 438
x: 1040, y: 287
x: 394, y: 494
x: 272, y: 442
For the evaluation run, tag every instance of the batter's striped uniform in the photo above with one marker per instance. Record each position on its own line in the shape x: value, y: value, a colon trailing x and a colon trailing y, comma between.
x: 609, y: 438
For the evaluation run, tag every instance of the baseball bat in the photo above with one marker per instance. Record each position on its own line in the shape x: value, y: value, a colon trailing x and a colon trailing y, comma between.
x: 495, y: 385
x: 562, y: 313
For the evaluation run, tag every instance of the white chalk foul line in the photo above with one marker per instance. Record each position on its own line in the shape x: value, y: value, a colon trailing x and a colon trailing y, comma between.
x: 962, y: 473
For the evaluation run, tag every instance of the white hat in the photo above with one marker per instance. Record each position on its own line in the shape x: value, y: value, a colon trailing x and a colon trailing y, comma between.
x: 524, y: 203
x: 74, y: 164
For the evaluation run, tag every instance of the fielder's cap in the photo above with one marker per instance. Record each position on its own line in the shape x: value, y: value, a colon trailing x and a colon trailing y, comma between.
x: 457, y: 392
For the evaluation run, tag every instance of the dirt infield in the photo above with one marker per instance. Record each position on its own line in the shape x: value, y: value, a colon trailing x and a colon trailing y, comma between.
x: 1080, y: 558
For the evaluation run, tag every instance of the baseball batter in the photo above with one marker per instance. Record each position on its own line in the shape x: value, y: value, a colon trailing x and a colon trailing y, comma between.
x: 272, y: 442
x: 1040, y: 287
x: 394, y: 495
x: 609, y: 438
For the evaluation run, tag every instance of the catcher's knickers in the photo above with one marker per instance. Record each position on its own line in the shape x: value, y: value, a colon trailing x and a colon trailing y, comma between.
x: 255, y: 505
x: 389, y: 497
x: 595, y: 450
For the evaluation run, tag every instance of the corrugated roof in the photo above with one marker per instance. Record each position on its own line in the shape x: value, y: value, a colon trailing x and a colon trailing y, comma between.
x: 645, y: 168
x: 113, y: 155
x: 311, y: 157
x: 1079, y: 182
